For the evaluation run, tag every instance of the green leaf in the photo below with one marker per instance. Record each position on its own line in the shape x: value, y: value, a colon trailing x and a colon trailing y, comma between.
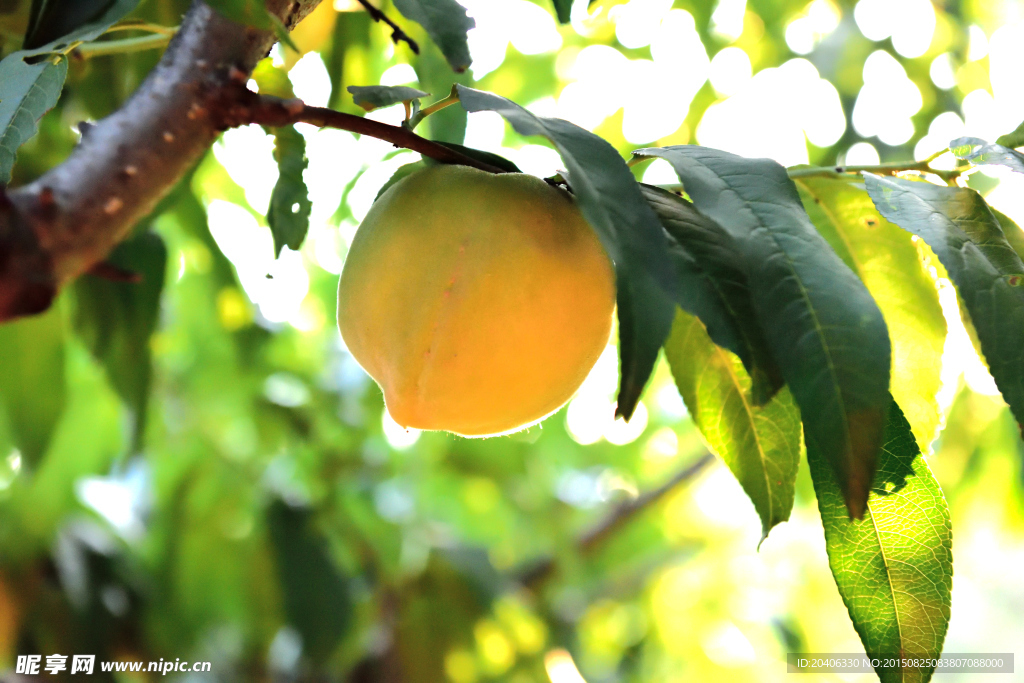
x: 989, y: 276
x: 495, y: 160
x: 714, y: 287
x: 33, y: 386
x: 890, y: 265
x: 980, y: 153
x: 894, y: 567
x: 117, y: 319
x: 316, y: 597
x: 246, y: 12
x: 447, y: 24
x: 369, y: 97
x: 1014, y: 139
x: 822, y: 326
x: 288, y: 214
x: 761, y: 445
x: 610, y: 199
x: 563, y: 9
x: 80, y: 21
x: 29, y: 89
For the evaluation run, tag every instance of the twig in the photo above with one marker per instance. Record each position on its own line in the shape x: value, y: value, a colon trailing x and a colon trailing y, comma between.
x: 249, y: 107
x: 123, y: 46
x: 397, y: 34
x: 885, y: 169
x: 614, y: 520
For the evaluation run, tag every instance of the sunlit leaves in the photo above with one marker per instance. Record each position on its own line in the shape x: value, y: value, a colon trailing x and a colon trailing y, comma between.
x: 894, y: 567
x: 989, y: 276
x: 32, y: 382
x: 889, y: 264
x: 822, y: 326
x: 117, y: 320
x: 447, y: 24
x: 761, y: 445
x: 288, y: 213
x: 610, y: 200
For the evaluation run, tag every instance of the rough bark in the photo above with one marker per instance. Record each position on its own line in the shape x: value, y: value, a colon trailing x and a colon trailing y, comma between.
x: 64, y: 223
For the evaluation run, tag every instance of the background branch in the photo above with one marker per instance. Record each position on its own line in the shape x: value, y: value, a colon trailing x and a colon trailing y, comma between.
x: 618, y: 516
x: 397, y: 33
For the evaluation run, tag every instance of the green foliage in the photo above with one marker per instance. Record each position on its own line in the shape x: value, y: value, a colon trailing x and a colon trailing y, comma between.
x: 288, y: 215
x: 714, y: 287
x: 760, y: 444
x: 891, y: 267
x: 894, y: 568
x: 447, y: 24
x: 965, y: 235
x: 563, y: 8
x: 822, y: 326
x: 979, y: 152
x: 32, y: 382
x: 628, y: 228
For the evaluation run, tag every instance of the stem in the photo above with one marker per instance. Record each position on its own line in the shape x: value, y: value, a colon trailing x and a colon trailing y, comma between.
x: 110, y: 47
x: 248, y: 107
x: 140, y: 25
x: 887, y: 169
x: 452, y: 98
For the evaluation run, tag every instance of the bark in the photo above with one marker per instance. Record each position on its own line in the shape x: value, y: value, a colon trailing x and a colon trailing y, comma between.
x: 64, y: 223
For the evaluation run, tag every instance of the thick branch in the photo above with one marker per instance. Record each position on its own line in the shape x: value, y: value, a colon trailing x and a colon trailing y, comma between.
x: 620, y: 515
x: 56, y: 228
x: 245, y: 106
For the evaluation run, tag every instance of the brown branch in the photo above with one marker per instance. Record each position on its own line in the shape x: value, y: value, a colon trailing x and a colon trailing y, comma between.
x: 397, y: 34
x: 616, y: 518
x: 58, y: 227
x: 246, y: 107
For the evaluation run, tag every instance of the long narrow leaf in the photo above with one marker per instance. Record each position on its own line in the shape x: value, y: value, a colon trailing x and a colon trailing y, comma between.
x: 989, y: 276
x: 823, y: 328
x: 761, y: 445
x: 894, y: 567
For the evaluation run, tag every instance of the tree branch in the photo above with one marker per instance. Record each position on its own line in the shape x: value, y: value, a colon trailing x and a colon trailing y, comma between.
x: 618, y: 516
x: 397, y: 33
x: 56, y: 228
x: 244, y: 106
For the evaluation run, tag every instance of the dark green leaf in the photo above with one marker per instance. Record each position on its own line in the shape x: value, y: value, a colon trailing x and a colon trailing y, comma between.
x: 979, y: 152
x: 79, y: 21
x: 761, y: 445
x: 714, y: 288
x: 822, y: 326
x: 493, y: 159
x: 894, y: 567
x: 611, y: 201
x: 117, y: 319
x: 989, y: 276
x: 288, y: 214
x: 447, y: 24
x: 33, y: 387
x: 890, y: 265
x: 316, y: 596
x: 29, y: 90
x: 369, y: 97
x: 563, y: 8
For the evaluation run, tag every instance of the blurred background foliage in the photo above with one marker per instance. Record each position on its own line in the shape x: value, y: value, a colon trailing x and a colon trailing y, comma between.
x: 195, y: 467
